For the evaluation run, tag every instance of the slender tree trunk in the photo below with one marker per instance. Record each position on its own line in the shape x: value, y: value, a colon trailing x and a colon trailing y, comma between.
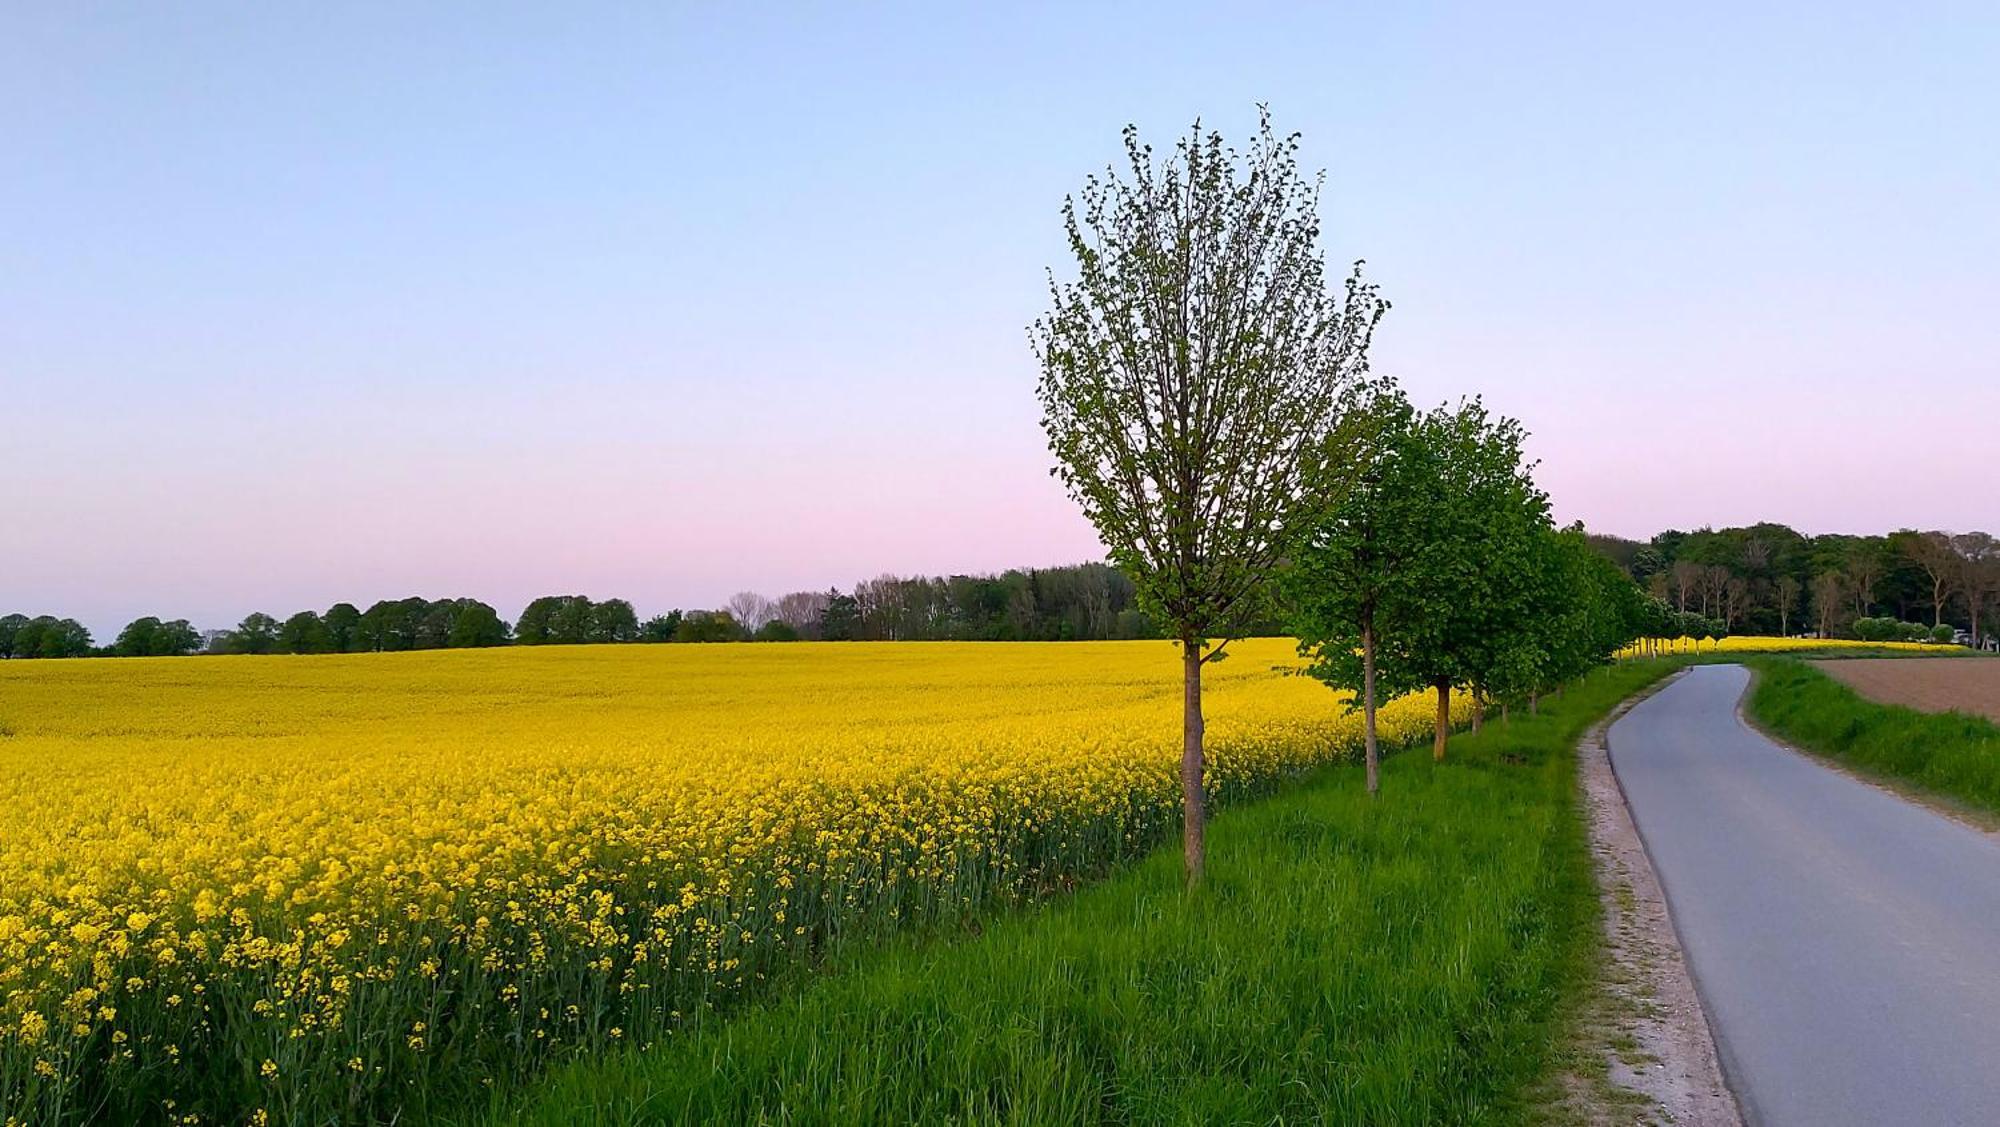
x: 1535, y: 702
x: 1194, y: 804
x: 1443, y: 722
x: 1937, y: 604
x: 1370, y: 750
x: 1478, y: 708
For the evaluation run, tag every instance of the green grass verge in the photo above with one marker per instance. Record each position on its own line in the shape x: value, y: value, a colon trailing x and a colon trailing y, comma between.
x: 1401, y: 960
x: 1948, y: 754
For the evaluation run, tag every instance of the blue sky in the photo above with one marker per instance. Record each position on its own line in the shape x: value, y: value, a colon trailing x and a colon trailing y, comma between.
x: 300, y: 304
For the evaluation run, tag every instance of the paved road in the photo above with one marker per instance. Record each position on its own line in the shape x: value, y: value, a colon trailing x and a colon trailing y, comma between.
x: 1845, y: 942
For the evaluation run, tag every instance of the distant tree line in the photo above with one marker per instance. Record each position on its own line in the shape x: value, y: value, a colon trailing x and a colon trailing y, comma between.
x: 1081, y: 602
x: 1770, y: 579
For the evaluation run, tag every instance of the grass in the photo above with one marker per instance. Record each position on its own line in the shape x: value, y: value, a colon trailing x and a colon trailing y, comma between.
x: 1945, y: 754
x: 1404, y: 960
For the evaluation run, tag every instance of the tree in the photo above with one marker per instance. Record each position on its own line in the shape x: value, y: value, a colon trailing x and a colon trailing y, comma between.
x: 1492, y: 584
x: 574, y: 621
x: 1197, y: 387
x: 303, y: 633
x: 1687, y: 576
x: 340, y: 622
x: 256, y: 634
x: 751, y: 610
x: 138, y: 638
x: 390, y: 625
x: 10, y: 630
x: 568, y: 620
x: 1864, y: 569
x: 176, y: 638
x: 1979, y: 575
x: 1934, y: 555
x: 1829, y: 590
x: 533, y: 627
x: 708, y: 626
x: 475, y: 624
x: 776, y: 630
x: 46, y: 636
x: 802, y: 610
x: 1346, y: 568
x: 660, y: 627
x: 841, y: 618
x: 613, y: 620
x: 1787, y: 589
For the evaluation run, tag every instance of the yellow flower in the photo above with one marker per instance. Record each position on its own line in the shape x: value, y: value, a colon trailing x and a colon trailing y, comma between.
x: 259, y: 845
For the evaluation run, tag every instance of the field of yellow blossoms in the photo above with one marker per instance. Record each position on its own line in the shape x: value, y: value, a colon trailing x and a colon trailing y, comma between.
x: 317, y: 889
x: 1751, y: 643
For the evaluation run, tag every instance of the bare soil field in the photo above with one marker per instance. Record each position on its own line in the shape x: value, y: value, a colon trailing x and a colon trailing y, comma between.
x: 1970, y: 685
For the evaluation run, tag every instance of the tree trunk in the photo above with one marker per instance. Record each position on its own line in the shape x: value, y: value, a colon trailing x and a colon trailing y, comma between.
x: 1478, y: 708
x: 1443, y: 722
x: 1194, y: 805
x: 1371, y: 752
x: 1535, y: 702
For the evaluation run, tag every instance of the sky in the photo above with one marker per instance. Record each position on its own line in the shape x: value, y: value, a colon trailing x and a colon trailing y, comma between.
x: 306, y: 303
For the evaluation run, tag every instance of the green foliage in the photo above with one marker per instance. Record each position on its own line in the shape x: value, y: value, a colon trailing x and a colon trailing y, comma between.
x: 660, y: 627
x: 1198, y: 377
x: 708, y: 626
x: 341, y: 621
x: 475, y: 624
x: 1949, y: 754
x: 149, y: 637
x: 42, y: 636
x: 841, y: 619
x: 1345, y: 962
x: 613, y: 620
x: 256, y: 634
x: 1446, y: 544
x: 304, y: 633
x: 776, y: 631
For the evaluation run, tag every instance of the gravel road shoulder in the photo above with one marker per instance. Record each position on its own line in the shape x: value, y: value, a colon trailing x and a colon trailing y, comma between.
x: 1641, y: 1051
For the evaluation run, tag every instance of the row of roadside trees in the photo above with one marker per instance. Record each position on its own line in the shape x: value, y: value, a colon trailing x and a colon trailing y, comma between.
x: 1441, y: 568
x: 1209, y: 405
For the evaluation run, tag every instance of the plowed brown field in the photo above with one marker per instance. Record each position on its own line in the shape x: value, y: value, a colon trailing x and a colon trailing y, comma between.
x: 1970, y: 684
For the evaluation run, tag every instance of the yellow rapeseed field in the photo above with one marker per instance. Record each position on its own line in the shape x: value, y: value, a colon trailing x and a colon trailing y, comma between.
x: 330, y: 888
x: 1752, y: 643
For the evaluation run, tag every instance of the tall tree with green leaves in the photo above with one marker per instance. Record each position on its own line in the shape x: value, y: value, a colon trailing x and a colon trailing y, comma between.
x: 303, y: 633
x: 1440, y: 547
x: 1346, y: 577
x: 1198, y: 387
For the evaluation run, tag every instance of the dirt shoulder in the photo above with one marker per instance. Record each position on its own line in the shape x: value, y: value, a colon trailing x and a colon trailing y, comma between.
x: 1970, y: 685
x: 1641, y: 1051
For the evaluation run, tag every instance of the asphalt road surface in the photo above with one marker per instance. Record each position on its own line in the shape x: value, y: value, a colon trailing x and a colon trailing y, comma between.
x: 1845, y: 942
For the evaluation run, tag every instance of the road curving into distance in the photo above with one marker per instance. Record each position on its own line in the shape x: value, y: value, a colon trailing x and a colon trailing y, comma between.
x: 1845, y: 941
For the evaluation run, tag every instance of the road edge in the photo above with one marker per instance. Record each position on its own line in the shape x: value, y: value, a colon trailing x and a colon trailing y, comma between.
x: 1974, y: 818
x: 1642, y: 1042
